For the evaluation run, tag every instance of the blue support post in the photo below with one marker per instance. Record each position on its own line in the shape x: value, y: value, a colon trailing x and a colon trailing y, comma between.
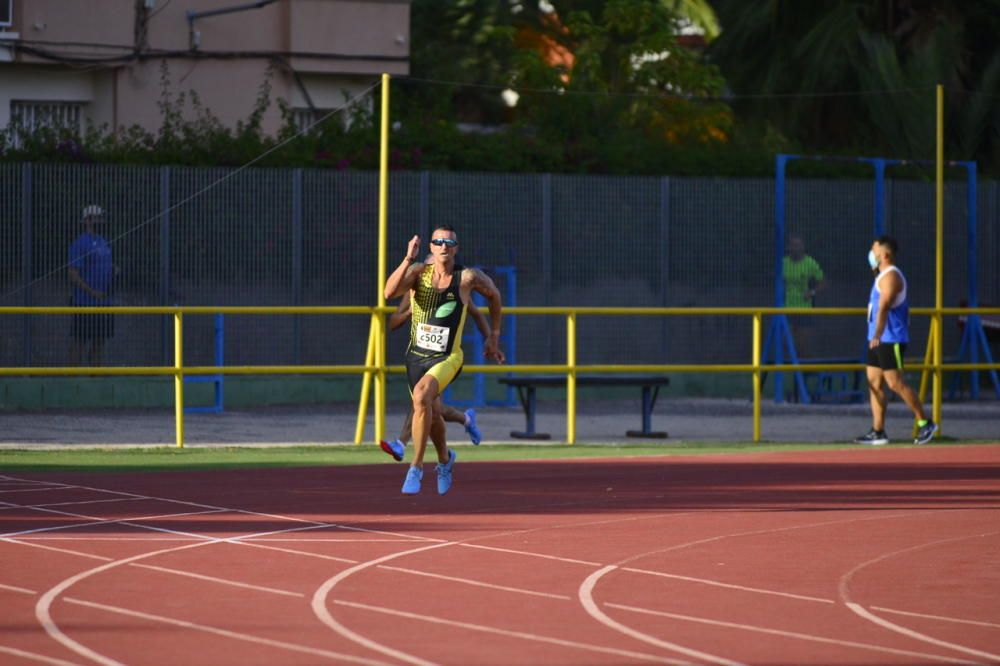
x: 217, y: 379
x: 779, y: 332
x: 973, y: 337
x: 879, y: 165
x: 297, y: 241
x: 166, y: 321
x: 473, y: 342
x: 26, y: 255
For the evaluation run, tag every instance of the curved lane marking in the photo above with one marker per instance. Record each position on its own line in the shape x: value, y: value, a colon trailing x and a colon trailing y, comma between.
x: 586, y: 595
x: 515, y: 634
x: 781, y: 632
x: 585, y: 591
x: 339, y: 656
x: 858, y: 609
x: 320, y: 609
x: 44, y: 605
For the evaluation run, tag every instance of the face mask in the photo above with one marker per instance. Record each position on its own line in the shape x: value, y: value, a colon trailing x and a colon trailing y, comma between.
x: 872, y: 259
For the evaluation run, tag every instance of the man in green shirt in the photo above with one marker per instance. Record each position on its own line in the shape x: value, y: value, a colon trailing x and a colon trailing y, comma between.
x: 803, y: 280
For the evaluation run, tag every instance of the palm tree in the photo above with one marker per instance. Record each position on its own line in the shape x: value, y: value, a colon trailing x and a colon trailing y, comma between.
x: 892, y: 51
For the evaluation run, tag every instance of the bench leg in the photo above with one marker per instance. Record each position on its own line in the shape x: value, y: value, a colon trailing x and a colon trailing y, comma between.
x: 528, y: 402
x: 648, y: 400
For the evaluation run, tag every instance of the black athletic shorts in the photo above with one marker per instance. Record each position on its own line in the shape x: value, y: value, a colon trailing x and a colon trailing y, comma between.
x: 93, y: 326
x: 887, y: 356
x: 444, y: 367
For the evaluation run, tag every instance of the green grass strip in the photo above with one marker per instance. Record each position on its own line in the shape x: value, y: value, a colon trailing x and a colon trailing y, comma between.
x: 235, y: 457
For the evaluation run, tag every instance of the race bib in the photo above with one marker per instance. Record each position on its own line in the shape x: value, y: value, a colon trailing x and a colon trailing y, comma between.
x: 432, y: 338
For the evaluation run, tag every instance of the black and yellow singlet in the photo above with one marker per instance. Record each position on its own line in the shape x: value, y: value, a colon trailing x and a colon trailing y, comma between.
x: 437, y: 320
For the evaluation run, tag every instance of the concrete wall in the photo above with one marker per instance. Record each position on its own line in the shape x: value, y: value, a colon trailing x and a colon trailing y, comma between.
x: 325, y: 41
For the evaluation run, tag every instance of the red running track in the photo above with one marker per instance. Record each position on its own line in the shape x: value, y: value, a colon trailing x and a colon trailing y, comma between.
x: 874, y: 556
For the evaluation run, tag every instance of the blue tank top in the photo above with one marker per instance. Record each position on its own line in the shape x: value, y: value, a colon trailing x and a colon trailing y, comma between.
x: 897, y: 326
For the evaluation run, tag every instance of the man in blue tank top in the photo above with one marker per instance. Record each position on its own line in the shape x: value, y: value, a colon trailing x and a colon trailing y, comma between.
x: 888, y: 335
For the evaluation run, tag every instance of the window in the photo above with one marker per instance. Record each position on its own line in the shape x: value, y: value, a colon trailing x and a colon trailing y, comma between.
x: 303, y: 118
x: 31, y: 116
x: 6, y: 13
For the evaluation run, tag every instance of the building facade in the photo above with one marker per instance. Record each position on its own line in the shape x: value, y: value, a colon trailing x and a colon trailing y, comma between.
x: 80, y: 63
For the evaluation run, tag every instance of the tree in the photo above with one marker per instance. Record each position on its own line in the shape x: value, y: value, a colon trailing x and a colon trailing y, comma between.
x: 601, y: 82
x: 892, y: 52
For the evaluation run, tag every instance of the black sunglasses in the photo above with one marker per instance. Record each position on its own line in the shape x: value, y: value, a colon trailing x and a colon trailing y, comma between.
x: 450, y: 242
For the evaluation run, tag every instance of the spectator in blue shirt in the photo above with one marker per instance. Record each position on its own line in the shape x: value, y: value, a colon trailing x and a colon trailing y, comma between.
x: 90, y: 274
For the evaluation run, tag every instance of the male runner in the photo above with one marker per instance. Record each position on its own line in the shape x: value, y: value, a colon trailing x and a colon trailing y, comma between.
x: 888, y: 333
x: 439, y: 294
x: 397, y: 447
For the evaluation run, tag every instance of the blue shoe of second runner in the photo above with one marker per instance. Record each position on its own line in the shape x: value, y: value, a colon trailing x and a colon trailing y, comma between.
x: 396, y: 448
x: 472, y: 428
x: 926, y: 433
x: 444, y: 473
x: 411, y: 486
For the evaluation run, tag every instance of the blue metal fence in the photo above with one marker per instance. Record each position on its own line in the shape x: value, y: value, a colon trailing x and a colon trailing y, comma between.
x: 195, y: 236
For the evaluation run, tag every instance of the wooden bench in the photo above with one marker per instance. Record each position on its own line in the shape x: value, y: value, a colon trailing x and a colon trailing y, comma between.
x: 527, y: 385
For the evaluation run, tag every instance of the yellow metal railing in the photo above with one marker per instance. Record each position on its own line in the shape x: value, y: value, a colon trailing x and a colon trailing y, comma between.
x: 375, y: 365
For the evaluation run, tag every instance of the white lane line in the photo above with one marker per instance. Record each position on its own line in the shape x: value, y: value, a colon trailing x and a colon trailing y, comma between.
x: 59, y: 537
x: 30, y: 490
x: 215, y: 579
x: 943, y: 618
x: 322, y: 612
x: 15, y: 588
x: 780, y: 632
x: 177, y: 572
x: 477, y: 583
x: 250, y: 638
x: 286, y: 530
x: 59, y: 486
x: 57, y: 550
x: 34, y: 656
x: 743, y: 588
x: 40, y: 506
x: 336, y: 540
x: 321, y: 556
x: 891, y: 626
x: 858, y: 609
x: 94, y: 521
x: 43, y: 608
x: 513, y: 634
x: 527, y: 554
x: 586, y: 595
x: 259, y: 514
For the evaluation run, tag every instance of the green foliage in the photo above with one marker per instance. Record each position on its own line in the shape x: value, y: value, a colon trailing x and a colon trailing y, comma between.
x: 605, y: 87
x: 883, y: 59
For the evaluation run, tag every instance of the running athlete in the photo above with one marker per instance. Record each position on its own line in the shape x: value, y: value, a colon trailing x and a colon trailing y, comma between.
x: 888, y: 333
x: 397, y: 447
x: 439, y: 295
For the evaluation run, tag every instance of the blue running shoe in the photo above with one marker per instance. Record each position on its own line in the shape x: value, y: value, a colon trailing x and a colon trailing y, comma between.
x: 396, y: 449
x: 413, y: 478
x: 926, y: 433
x: 472, y: 428
x: 444, y: 473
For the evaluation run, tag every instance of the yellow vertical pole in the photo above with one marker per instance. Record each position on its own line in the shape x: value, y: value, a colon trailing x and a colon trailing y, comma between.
x: 179, y: 378
x: 571, y: 378
x: 366, y: 386
x: 928, y: 359
x: 924, y: 375
x: 939, y: 262
x: 380, y: 362
x: 383, y: 209
x: 757, y: 322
